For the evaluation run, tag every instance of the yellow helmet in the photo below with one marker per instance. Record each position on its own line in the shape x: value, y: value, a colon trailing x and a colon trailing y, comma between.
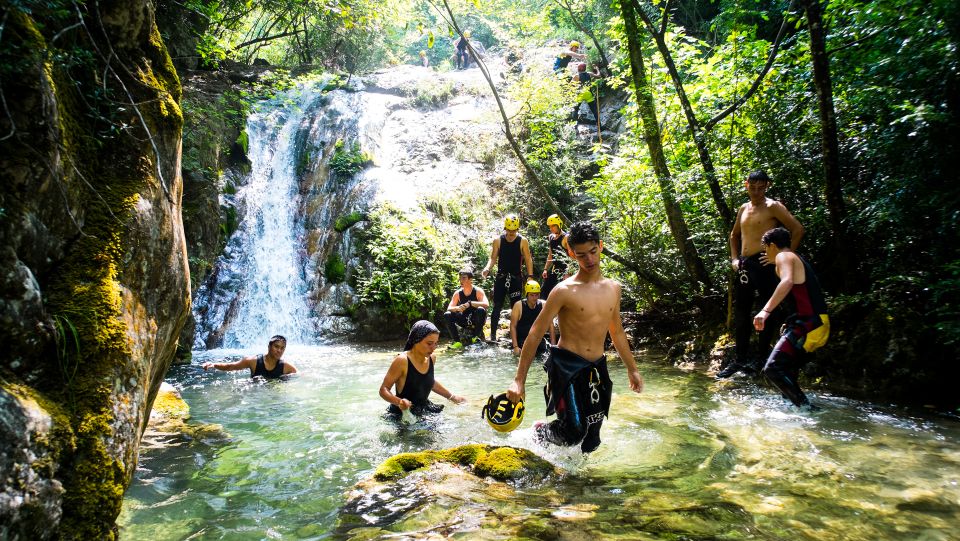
x: 555, y: 220
x: 502, y: 414
x: 575, y: 44
x: 531, y: 287
x: 466, y: 33
x: 511, y: 222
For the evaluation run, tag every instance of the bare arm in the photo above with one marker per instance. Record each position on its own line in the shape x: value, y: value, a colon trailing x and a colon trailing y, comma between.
x: 735, y: 241
x: 622, y: 345
x: 249, y: 363
x: 482, y: 301
x: 785, y: 270
x: 442, y: 391
x: 783, y: 215
x: 453, y: 306
x: 288, y: 368
x: 396, y: 371
x: 517, y: 389
x: 494, y: 252
x: 549, y: 263
x: 514, y: 319
x: 553, y: 334
x: 527, y: 257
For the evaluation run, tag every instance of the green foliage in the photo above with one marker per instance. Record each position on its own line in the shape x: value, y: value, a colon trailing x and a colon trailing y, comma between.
x: 347, y: 221
x: 432, y: 93
x: 411, y: 265
x: 346, y: 160
x: 335, y: 270
x: 68, y: 348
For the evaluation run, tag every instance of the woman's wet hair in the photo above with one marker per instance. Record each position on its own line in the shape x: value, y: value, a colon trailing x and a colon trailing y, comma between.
x: 277, y: 338
x: 418, y: 332
x: 581, y: 232
x: 778, y: 236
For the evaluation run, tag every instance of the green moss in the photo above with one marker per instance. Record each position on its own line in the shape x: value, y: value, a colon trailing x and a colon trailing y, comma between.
x: 501, y: 463
x: 60, y: 441
x: 347, y: 221
x: 335, y: 270
x: 347, y: 161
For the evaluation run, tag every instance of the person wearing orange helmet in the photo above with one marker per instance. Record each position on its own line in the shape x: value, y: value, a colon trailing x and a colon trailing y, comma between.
x: 508, y: 251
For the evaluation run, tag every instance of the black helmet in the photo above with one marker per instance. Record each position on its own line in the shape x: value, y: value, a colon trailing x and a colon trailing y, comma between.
x: 502, y: 414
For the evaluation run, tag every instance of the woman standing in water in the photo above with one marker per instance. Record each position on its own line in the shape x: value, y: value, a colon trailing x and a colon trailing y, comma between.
x: 411, y: 374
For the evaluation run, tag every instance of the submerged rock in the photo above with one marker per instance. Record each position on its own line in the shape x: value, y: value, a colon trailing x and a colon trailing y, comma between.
x: 501, y: 463
x: 168, y: 424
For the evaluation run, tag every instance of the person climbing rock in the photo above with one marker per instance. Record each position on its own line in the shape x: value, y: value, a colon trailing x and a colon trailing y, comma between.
x: 571, y: 52
x: 269, y: 366
x: 589, y: 91
x: 508, y: 252
x: 578, y: 387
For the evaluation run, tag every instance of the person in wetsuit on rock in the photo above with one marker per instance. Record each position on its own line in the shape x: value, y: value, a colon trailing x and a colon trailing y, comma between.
x: 468, y: 307
x: 522, y: 317
x: 806, y: 329
x: 567, y: 55
x: 269, y: 366
x: 411, y: 374
x: 555, y: 268
x: 508, y: 251
x: 756, y: 278
x: 578, y: 387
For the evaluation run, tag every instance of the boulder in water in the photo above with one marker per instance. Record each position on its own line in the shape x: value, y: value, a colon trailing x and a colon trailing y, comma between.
x: 500, y: 463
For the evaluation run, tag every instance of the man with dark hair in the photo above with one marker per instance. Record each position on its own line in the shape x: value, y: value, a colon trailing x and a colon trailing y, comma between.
x: 508, y: 252
x: 269, y: 366
x: 806, y: 329
x: 578, y: 388
x: 468, y: 307
x: 756, y: 278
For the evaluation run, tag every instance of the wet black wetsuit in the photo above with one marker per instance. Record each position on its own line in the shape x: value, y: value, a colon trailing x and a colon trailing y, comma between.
x: 508, y: 279
x: 578, y: 391
x: 788, y: 356
x: 261, y: 369
x: 463, y: 54
x: 416, y: 389
x: 555, y: 274
x: 473, y: 316
x: 760, y: 280
x: 527, y: 317
x: 585, y: 79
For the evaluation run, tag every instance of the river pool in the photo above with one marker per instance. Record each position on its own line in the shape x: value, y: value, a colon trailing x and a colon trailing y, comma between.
x: 690, y: 458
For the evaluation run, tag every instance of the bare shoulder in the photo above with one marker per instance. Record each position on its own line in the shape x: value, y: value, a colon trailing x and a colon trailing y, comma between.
x: 400, y: 361
x: 480, y: 292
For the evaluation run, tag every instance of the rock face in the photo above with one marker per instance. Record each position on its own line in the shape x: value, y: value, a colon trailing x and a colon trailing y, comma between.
x: 94, y: 287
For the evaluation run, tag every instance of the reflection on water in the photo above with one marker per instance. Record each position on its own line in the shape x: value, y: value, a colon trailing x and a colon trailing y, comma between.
x: 690, y: 458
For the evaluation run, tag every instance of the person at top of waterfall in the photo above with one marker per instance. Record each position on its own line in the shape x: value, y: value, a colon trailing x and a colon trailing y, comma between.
x: 756, y: 276
x: 462, y: 51
x: 269, y: 366
x: 467, y: 308
x: 588, y: 86
x: 522, y: 317
x: 508, y: 251
x: 411, y: 374
x: 578, y: 386
x: 572, y: 52
x: 424, y: 61
x: 555, y: 268
x: 806, y: 329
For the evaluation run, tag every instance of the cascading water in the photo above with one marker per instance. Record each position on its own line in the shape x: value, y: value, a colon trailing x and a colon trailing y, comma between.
x: 260, y: 285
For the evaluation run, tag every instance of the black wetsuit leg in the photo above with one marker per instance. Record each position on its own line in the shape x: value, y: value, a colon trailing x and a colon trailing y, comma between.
x: 478, y: 317
x: 454, y: 319
x: 502, y: 291
x: 549, y: 283
x: 786, y: 360
x: 762, y: 280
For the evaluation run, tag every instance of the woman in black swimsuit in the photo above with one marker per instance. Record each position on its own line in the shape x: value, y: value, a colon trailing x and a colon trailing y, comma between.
x: 411, y: 374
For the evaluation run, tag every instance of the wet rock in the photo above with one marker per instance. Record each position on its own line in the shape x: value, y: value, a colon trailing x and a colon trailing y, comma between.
x: 501, y: 463
x: 169, y: 424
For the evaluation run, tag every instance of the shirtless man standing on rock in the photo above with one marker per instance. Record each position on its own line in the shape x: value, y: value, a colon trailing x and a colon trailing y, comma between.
x: 578, y: 386
x: 756, y: 276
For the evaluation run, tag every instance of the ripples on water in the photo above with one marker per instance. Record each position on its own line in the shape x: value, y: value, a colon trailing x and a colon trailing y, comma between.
x: 690, y: 458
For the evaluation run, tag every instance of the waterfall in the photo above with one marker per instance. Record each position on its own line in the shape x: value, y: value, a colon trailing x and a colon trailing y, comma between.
x: 259, y: 287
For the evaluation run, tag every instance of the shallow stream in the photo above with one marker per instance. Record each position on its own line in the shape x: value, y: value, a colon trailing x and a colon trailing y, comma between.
x: 690, y: 458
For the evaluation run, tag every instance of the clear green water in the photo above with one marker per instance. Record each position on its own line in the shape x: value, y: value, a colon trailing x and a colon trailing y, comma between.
x: 690, y: 458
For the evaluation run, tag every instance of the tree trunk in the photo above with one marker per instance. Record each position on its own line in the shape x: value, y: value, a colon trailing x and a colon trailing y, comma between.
x: 828, y: 127
x: 696, y: 270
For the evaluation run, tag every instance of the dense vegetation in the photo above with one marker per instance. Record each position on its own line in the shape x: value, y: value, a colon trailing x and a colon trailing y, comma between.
x: 852, y: 107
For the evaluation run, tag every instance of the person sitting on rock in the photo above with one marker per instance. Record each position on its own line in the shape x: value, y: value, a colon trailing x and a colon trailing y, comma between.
x: 411, y: 374
x: 522, y: 317
x: 269, y: 366
x: 467, y: 308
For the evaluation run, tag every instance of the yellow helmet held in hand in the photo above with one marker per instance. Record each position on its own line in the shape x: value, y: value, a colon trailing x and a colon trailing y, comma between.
x: 502, y: 414
x: 575, y: 44
x: 511, y: 222
x: 555, y: 220
x: 531, y: 287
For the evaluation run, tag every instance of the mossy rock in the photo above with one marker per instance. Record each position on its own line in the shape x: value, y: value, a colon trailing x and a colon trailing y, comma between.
x: 500, y: 463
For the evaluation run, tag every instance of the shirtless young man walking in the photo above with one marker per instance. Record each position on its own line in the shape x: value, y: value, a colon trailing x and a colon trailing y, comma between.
x: 756, y: 276
x: 579, y: 387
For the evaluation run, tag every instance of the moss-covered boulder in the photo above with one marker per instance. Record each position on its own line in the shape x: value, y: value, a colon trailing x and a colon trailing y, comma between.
x: 94, y: 286
x: 500, y: 463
